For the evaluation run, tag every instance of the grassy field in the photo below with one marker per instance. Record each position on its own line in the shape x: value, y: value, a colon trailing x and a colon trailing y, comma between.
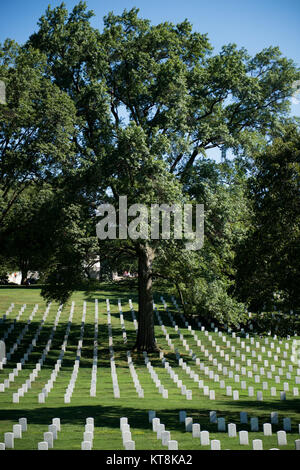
x: 107, y: 410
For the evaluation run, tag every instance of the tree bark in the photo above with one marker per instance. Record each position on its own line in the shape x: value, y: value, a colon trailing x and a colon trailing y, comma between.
x: 24, y: 270
x: 181, y: 297
x: 145, y: 336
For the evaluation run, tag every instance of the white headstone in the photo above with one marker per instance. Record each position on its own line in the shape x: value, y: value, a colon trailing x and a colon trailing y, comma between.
x: 221, y: 424
x: 129, y: 445
x: 196, y: 430
x: 282, y: 396
x: 213, y: 416
x: 56, y: 422
x: 273, y: 392
x: 125, y: 428
x: 87, y: 428
x: 188, y: 424
x: 123, y: 420
x: 2, y: 344
x: 86, y: 445
x: 243, y: 436
x: 52, y: 428
x: 287, y: 424
x: 17, y: 430
x: 88, y: 421
x: 281, y: 438
x: 231, y: 430
x: 274, y: 417
x: 160, y: 430
x: 155, y: 423
x: 172, y: 445
x: 257, y: 444
x: 165, y: 437
x: 267, y: 428
x: 215, y: 445
x: 254, y: 424
x: 23, y: 423
x: 9, y: 440
x: 204, y: 438
x: 48, y: 437
x: 43, y: 445
x: 16, y: 397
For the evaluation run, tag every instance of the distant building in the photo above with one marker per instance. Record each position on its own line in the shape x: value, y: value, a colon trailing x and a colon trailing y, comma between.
x: 16, y: 277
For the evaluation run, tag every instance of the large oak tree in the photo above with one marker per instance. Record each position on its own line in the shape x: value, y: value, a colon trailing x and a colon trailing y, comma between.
x: 150, y: 100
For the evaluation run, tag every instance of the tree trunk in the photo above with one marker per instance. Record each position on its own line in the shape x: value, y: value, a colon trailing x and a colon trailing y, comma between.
x: 23, y: 276
x: 24, y: 270
x: 181, y: 297
x: 145, y: 336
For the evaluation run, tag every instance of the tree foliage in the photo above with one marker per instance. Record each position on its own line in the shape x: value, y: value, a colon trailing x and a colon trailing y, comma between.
x: 132, y: 110
x: 268, y: 260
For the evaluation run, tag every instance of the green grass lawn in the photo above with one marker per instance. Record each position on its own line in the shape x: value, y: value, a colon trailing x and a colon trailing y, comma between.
x: 107, y: 410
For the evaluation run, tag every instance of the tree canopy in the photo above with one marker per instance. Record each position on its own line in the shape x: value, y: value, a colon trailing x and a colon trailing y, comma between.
x: 131, y: 110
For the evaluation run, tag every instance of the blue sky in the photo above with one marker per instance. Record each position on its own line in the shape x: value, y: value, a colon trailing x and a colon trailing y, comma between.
x: 252, y: 24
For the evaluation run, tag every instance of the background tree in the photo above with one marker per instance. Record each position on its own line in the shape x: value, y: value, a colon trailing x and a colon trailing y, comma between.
x: 205, y: 280
x: 39, y: 171
x: 268, y: 260
x: 36, y: 125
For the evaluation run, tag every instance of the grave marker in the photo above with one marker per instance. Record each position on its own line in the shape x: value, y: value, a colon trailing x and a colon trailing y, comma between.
x: 274, y: 417
x: 48, y: 437
x: 267, y: 428
x: 23, y: 423
x: 231, y: 430
x: 86, y: 445
x: 172, y: 445
x: 196, y: 430
x: 281, y: 438
x: 204, y: 438
x: 188, y: 424
x: 9, y: 440
x: 43, y: 445
x: 165, y: 438
x: 243, y: 437
x: 287, y: 426
x: 215, y: 445
x: 17, y: 430
x: 254, y: 424
x: 257, y: 444
x: 221, y: 424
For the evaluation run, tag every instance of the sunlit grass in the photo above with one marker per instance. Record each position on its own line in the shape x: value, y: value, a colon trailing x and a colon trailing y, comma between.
x: 104, y: 408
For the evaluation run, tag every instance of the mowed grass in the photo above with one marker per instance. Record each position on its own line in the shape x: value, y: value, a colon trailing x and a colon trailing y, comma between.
x: 107, y: 410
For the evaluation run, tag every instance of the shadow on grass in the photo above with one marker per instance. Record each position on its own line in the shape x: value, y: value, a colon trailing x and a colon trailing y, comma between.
x: 282, y: 406
x: 109, y: 416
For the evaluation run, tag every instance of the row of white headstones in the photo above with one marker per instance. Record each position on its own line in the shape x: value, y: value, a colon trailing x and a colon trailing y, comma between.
x: 238, y: 366
x: 11, y: 376
x: 161, y: 433
x: 21, y: 427
x: 49, y: 385
x: 16, y: 344
x: 187, y: 369
x: 133, y: 373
